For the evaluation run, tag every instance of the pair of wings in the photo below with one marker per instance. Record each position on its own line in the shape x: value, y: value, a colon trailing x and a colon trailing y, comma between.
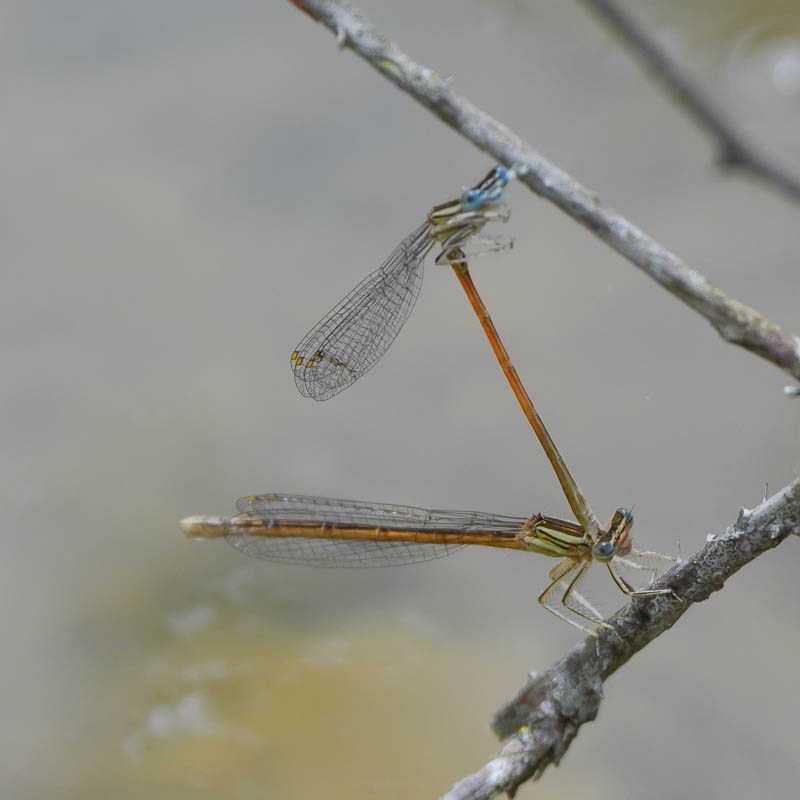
x: 285, y: 509
x: 354, y: 335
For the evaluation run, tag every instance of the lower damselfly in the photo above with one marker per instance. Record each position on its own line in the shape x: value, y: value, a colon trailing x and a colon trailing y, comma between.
x: 328, y: 532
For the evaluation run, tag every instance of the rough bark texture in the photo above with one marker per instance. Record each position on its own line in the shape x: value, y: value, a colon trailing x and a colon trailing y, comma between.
x: 544, y: 716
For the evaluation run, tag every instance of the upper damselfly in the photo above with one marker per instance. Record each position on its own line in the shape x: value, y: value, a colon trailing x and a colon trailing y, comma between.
x: 353, y: 336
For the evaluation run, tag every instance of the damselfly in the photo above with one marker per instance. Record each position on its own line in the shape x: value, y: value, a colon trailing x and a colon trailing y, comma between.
x: 318, y: 531
x: 326, y: 532
x: 354, y: 335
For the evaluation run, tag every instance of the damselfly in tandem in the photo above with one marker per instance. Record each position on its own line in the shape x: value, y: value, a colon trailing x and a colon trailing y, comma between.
x: 353, y: 336
x: 319, y: 531
x: 326, y: 532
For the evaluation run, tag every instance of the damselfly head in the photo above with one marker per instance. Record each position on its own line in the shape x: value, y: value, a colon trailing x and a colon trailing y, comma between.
x: 488, y: 190
x: 603, y: 549
x: 620, y: 529
x: 617, y: 539
x: 472, y: 200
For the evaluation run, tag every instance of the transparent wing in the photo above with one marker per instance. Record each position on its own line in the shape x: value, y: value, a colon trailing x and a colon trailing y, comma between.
x: 304, y: 514
x: 354, y: 335
x: 337, y: 552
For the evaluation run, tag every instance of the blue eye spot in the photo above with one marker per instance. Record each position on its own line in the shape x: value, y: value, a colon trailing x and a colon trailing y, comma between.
x: 603, y: 549
x: 472, y: 200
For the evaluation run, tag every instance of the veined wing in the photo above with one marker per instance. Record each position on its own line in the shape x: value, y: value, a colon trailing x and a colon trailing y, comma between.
x: 302, y: 515
x: 352, y: 337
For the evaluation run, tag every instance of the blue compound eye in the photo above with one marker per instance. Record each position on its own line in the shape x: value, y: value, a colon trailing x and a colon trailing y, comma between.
x: 471, y: 200
x: 603, y: 550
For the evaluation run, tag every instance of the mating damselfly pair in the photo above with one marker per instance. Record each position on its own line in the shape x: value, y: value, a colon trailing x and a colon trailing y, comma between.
x: 339, y: 349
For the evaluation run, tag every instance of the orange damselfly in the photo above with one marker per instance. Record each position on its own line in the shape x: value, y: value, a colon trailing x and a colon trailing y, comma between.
x: 328, y: 532
x: 319, y: 531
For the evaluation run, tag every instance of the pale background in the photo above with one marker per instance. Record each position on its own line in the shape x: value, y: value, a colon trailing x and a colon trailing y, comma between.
x: 186, y: 188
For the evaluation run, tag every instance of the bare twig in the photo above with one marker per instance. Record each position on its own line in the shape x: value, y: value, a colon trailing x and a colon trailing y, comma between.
x: 735, y: 150
x: 734, y: 321
x: 545, y: 715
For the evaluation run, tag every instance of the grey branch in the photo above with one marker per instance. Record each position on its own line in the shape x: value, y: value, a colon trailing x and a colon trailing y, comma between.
x: 545, y: 715
x: 734, y: 148
x: 735, y: 322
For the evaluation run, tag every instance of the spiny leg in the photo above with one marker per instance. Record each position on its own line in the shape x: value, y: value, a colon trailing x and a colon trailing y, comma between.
x: 628, y: 590
x: 557, y: 575
x: 593, y: 613
x: 655, y: 571
x: 631, y: 565
x: 560, y: 570
x: 462, y: 227
x: 572, y: 595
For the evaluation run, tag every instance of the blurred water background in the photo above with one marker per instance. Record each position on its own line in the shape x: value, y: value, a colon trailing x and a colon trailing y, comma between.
x: 187, y: 187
